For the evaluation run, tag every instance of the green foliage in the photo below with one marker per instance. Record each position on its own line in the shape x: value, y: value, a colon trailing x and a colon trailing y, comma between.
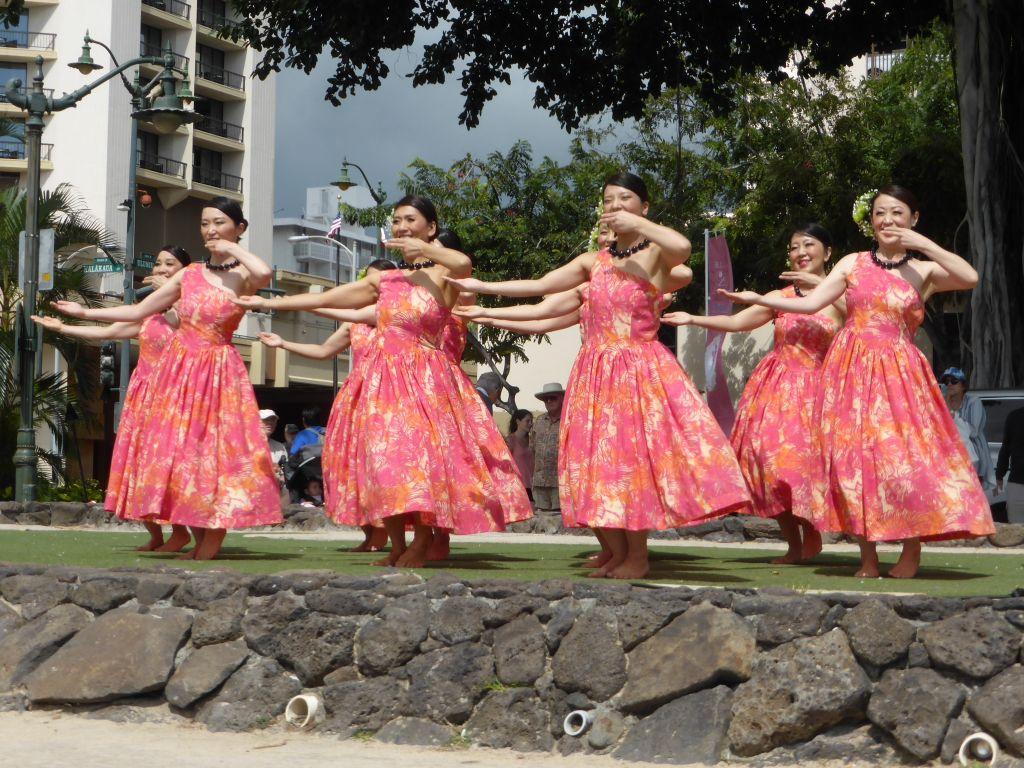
x: 586, y: 57
x: 48, y: 490
x: 74, y: 227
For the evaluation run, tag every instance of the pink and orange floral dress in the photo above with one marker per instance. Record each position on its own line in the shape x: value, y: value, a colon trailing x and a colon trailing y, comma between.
x: 198, y: 455
x: 894, y: 466
x: 360, y: 336
x: 638, y: 448
x: 154, y: 336
x: 773, y: 435
x: 437, y: 451
x: 453, y: 339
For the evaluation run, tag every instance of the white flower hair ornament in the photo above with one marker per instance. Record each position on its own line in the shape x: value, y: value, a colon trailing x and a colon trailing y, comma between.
x: 862, y: 212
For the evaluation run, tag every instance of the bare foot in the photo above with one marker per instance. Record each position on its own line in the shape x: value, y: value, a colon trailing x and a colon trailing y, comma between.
x: 867, y: 573
x: 178, y: 541
x: 790, y: 558
x: 190, y: 555
x: 909, y: 562
x: 210, y: 546
x: 391, y: 560
x: 630, y: 569
x: 438, y: 552
x: 413, y: 558
x: 812, y: 543
x: 363, y: 546
x: 153, y: 545
x: 868, y: 560
x: 378, y: 539
x: 597, y: 560
x: 610, y: 565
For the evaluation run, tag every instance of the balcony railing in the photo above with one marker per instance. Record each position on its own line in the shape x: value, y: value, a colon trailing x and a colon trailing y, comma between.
x: 149, y: 49
x: 215, y: 21
x: 326, y: 253
x: 164, y: 165
x: 220, y: 128
x: 3, y: 93
x: 36, y: 41
x: 219, y: 75
x: 219, y: 179
x: 880, y: 62
x: 176, y: 7
x: 15, y: 150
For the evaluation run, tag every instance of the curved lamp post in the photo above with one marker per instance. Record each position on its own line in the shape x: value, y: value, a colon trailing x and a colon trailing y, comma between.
x: 165, y: 111
x: 353, y: 259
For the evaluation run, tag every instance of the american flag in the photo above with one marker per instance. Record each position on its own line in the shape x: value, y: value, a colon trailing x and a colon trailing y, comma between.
x: 335, y: 227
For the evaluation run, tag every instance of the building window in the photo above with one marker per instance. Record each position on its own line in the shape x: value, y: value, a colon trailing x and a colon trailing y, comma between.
x: 206, y: 167
x: 211, y: 57
x: 211, y: 108
x: 9, y: 180
x: 152, y: 41
x: 8, y: 71
x: 21, y: 25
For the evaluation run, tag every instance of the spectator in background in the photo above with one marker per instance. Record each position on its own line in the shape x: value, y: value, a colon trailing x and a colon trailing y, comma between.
x: 488, y: 386
x: 519, y: 444
x: 313, y: 496
x: 1011, y: 458
x: 544, y: 442
x: 970, y: 411
x: 278, y: 451
x: 290, y: 431
x: 312, y: 432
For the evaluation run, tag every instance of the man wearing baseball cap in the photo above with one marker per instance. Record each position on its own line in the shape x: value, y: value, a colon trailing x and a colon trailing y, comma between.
x: 278, y: 453
x: 970, y: 411
x: 544, y: 442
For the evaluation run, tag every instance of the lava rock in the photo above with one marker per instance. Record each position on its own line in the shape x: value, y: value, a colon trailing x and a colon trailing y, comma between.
x: 24, y: 648
x: 691, y: 729
x: 344, y: 602
x: 878, y: 636
x: 34, y: 594
x: 606, y: 729
x: 459, y: 620
x: 155, y: 587
x: 915, y: 706
x: 796, y: 691
x: 1007, y: 535
x: 220, y: 621
x: 779, y: 619
x: 978, y: 643
x: 122, y: 653
x: 101, y: 595
x: 203, y: 670
x: 299, y: 582
x: 199, y: 591
x: 512, y: 719
x: 252, y: 697
x: 590, y: 657
x: 415, y: 732
x: 393, y: 638
x: 10, y: 620
x: 520, y: 652
x: 563, y: 616
x: 999, y: 707
x: 447, y: 683
x: 367, y: 704
x: 703, y: 647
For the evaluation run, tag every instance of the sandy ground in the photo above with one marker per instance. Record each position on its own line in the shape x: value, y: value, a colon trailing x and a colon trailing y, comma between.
x: 47, y: 739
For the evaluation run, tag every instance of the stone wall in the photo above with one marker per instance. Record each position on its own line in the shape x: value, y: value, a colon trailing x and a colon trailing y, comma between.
x: 670, y: 675
x: 732, y: 529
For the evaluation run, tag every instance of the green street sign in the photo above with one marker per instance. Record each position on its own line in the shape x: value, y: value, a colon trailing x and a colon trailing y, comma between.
x: 105, y: 265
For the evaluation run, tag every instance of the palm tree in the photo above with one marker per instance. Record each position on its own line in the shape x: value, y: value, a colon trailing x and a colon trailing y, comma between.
x: 74, y: 227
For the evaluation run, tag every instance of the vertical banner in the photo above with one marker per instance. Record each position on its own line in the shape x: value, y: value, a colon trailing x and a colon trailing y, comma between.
x: 717, y: 274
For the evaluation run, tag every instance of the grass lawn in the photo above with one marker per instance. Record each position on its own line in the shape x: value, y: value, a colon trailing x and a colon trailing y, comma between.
x: 944, y: 573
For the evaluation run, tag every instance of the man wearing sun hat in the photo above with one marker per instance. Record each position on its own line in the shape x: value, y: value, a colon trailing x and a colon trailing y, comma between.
x: 969, y: 410
x: 278, y: 453
x: 544, y: 442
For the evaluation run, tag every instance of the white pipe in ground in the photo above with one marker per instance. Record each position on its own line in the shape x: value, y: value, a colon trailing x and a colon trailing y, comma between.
x: 985, y: 748
x: 304, y: 711
x: 577, y: 722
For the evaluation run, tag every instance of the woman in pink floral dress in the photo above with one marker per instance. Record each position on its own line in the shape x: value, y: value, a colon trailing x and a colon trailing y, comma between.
x: 638, y: 449
x: 198, y: 456
x: 357, y: 333
x: 153, y: 334
x: 438, y: 458
x: 894, y: 468
x: 774, y: 431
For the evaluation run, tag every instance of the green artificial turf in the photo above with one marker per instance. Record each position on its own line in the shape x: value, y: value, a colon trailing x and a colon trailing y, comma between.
x: 944, y: 573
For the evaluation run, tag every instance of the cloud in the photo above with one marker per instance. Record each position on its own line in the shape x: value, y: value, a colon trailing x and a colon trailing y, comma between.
x: 384, y: 130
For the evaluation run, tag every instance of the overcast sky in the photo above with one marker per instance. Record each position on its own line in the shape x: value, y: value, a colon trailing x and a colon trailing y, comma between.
x: 384, y: 130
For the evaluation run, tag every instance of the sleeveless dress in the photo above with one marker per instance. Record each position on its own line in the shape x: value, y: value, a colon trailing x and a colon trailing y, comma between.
x: 773, y: 435
x: 360, y: 336
x: 436, y: 450
x: 453, y: 339
x: 154, y: 336
x: 893, y: 464
x: 198, y: 456
x: 638, y: 447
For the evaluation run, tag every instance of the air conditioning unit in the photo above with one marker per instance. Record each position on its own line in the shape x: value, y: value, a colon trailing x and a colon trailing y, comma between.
x: 321, y: 203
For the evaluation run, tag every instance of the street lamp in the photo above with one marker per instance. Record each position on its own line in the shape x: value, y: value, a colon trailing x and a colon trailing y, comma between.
x: 338, y: 248
x: 345, y: 182
x: 165, y: 111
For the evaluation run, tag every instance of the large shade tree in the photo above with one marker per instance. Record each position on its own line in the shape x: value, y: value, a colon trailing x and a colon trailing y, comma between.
x: 593, y: 57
